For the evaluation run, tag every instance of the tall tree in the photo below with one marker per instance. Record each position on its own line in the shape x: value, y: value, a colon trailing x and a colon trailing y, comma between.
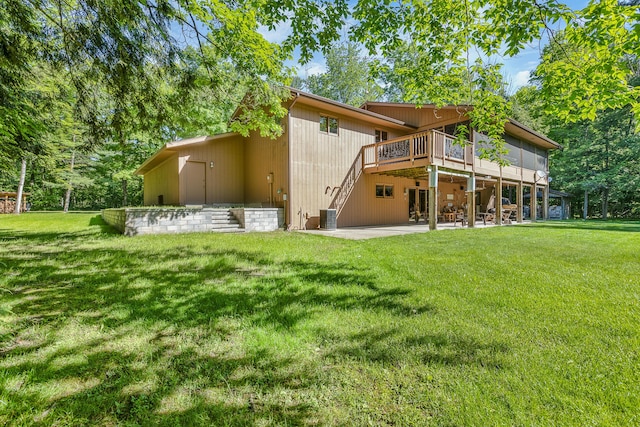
x: 347, y: 78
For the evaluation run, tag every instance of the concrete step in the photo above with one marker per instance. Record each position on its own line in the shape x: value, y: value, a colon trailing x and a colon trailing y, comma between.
x: 224, y: 221
x: 236, y: 225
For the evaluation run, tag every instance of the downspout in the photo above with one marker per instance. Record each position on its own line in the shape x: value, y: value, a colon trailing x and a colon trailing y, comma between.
x: 289, y: 209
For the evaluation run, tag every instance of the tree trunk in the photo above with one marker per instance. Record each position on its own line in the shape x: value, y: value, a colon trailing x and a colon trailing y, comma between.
x: 23, y: 174
x: 67, y: 196
x: 585, y: 208
x: 124, y: 193
x: 605, y: 203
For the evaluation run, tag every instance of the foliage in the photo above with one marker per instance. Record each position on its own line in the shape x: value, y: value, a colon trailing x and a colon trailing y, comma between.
x: 487, y: 327
x: 597, y: 156
x: 347, y: 78
x: 584, y: 70
x: 152, y: 71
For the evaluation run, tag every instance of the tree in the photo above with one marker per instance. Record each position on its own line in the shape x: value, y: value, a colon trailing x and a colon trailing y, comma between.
x: 132, y: 73
x: 347, y: 78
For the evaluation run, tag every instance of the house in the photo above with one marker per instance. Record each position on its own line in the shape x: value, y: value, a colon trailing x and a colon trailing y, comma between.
x: 382, y: 163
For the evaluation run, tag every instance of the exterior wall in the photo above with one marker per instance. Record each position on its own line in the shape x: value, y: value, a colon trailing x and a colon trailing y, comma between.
x: 225, y: 181
x: 423, y: 118
x: 255, y: 219
x: 364, y: 208
x: 162, y: 180
x: 264, y: 156
x: 320, y: 161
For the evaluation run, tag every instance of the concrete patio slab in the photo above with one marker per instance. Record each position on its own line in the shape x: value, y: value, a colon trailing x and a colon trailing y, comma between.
x: 375, y: 231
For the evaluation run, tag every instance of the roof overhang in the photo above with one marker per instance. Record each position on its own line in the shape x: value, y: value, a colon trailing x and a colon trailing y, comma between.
x: 336, y: 107
x: 512, y: 127
x: 518, y: 129
x: 172, y: 148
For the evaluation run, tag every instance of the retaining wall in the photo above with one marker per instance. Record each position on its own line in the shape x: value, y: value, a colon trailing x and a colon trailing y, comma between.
x: 137, y: 221
x: 259, y: 219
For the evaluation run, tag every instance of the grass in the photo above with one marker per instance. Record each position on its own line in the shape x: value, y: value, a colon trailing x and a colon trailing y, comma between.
x: 527, y: 325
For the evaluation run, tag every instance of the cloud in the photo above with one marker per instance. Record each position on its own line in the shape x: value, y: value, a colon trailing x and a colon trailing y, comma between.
x: 521, y: 78
x: 314, y: 68
x: 278, y: 34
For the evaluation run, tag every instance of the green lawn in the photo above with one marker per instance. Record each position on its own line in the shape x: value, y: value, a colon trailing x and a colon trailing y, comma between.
x: 526, y: 325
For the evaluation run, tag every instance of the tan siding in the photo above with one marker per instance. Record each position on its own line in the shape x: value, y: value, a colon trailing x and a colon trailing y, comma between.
x: 262, y: 157
x: 423, y: 118
x: 163, y: 180
x: 364, y: 208
x: 320, y: 161
x: 224, y: 182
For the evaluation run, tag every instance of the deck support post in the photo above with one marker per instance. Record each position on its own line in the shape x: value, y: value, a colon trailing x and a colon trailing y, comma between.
x: 534, y: 203
x: 545, y: 202
x: 433, y: 198
x: 519, y: 202
x: 499, y: 200
x: 471, y: 200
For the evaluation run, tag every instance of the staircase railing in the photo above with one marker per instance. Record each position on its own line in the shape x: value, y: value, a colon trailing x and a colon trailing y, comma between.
x: 348, y: 183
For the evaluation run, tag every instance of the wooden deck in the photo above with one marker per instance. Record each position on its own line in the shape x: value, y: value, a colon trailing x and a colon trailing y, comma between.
x: 408, y: 156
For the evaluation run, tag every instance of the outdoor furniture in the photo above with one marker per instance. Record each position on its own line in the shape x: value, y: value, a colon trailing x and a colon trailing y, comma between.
x: 461, y: 216
x: 449, y: 216
x: 489, y: 214
x: 507, y: 212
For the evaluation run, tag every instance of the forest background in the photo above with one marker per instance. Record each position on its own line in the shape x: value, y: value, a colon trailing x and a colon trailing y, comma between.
x: 89, y: 90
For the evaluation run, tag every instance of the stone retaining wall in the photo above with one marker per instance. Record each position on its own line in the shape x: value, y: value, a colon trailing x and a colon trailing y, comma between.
x: 115, y: 218
x: 137, y: 221
x: 259, y: 219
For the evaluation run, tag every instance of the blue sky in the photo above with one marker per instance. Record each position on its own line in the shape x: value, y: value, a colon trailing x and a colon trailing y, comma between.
x: 516, y: 70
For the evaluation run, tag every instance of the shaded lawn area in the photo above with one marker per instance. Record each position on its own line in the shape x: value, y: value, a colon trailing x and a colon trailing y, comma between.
x: 527, y: 325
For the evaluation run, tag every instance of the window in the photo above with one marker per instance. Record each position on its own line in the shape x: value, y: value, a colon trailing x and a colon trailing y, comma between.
x: 381, y: 135
x: 384, y: 191
x: 329, y: 125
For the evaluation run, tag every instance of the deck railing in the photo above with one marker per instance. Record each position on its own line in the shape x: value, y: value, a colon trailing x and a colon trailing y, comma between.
x: 405, y: 148
x: 432, y: 145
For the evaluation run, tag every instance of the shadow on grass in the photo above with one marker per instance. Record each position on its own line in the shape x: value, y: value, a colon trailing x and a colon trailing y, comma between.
x: 97, y: 221
x: 158, y: 336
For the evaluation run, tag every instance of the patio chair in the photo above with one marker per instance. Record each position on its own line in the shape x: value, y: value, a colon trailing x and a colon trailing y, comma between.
x: 461, y: 215
x: 490, y: 212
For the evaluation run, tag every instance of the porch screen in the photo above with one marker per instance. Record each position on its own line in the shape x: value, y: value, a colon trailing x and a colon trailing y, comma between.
x: 512, y: 145
x: 528, y: 156
x: 482, y: 142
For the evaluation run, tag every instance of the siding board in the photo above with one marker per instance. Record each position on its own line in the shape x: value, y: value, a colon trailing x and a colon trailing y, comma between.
x: 320, y: 162
x: 163, y: 180
x: 225, y: 181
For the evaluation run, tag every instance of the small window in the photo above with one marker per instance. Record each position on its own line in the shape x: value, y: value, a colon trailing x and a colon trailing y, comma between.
x: 381, y: 135
x: 384, y: 191
x: 329, y: 125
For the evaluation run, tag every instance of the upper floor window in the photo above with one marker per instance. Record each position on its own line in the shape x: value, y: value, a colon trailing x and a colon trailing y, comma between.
x: 329, y: 125
x: 381, y: 135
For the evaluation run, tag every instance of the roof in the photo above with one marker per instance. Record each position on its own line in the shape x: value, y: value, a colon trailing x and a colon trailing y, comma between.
x: 297, y: 96
x: 169, y: 150
x: 512, y: 126
x: 558, y: 194
x: 518, y: 129
x: 348, y: 110
x: 335, y: 107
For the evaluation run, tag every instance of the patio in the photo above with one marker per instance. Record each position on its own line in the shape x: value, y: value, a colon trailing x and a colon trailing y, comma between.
x: 374, y: 231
